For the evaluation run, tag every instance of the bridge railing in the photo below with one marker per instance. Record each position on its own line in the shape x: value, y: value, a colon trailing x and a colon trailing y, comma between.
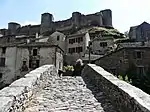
x: 124, y: 96
x: 16, y: 97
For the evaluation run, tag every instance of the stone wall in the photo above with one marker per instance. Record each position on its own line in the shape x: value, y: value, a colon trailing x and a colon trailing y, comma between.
x: 124, y: 96
x: 16, y: 97
x: 119, y: 61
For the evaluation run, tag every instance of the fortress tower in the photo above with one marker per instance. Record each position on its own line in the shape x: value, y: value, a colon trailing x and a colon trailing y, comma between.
x: 46, y: 22
x: 107, y: 17
x: 12, y: 27
x: 76, y: 18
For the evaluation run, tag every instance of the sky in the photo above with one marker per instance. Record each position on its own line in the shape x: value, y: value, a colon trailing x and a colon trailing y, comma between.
x: 125, y: 13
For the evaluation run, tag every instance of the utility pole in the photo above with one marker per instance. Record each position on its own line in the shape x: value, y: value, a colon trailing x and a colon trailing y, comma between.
x: 90, y: 43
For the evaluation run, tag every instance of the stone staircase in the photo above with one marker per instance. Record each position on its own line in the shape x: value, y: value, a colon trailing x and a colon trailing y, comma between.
x: 69, y: 94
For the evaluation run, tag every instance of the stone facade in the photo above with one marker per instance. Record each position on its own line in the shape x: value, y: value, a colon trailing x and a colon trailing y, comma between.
x: 124, y: 96
x: 56, y: 38
x: 16, y: 97
x: 140, y: 32
x: 102, y: 45
x: 43, y: 90
x: 16, y: 61
x: 118, y: 62
x: 76, y: 47
x: 78, y: 20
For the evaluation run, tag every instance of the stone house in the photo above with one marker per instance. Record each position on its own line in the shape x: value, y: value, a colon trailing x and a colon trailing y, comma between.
x: 56, y: 38
x: 140, y: 32
x: 17, y: 60
x: 76, y: 47
x: 119, y: 61
x: 102, y: 44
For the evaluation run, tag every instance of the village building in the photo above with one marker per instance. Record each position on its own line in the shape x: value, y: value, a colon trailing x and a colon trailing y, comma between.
x: 140, y: 32
x: 127, y: 54
x: 17, y: 60
x: 76, y: 47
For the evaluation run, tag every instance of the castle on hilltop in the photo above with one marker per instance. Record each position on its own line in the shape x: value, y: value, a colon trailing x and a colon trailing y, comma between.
x: 78, y: 20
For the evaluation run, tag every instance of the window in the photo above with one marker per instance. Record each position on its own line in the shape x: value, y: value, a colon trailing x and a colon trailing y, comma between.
x: 30, y: 63
x: 58, y: 38
x: 78, y: 40
x: 24, y: 67
x: 81, y: 39
x: 34, y: 52
x: 141, y: 70
x: 24, y: 62
x: 71, y: 41
x: 79, y: 49
x: 2, y: 62
x: 1, y: 75
x: 3, y: 50
x: 138, y: 54
x: 37, y: 63
x: 103, y: 44
x: 8, y: 39
x: 71, y: 50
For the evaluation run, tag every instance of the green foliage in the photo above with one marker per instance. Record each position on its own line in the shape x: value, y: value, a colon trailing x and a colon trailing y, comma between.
x: 141, y: 81
x: 68, y: 68
x: 107, y: 32
x: 125, y: 78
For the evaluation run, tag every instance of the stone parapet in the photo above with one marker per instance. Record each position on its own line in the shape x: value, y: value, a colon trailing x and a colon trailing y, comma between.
x: 124, y: 96
x: 16, y: 97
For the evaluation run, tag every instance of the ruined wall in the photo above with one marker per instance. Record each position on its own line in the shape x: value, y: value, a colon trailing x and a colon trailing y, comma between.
x: 124, y: 96
x: 34, y: 29
x: 58, y: 25
x: 78, y: 20
x: 16, y: 97
x: 28, y: 30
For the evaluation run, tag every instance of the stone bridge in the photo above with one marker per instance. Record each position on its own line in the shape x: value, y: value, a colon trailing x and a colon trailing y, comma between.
x: 96, y: 90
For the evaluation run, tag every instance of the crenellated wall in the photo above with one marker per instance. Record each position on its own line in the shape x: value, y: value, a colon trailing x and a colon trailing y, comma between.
x: 77, y: 20
x: 124, y: 96
x: 16, y: 96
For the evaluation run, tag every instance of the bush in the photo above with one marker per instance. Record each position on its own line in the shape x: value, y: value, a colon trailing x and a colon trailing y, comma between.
x: 68, y: 68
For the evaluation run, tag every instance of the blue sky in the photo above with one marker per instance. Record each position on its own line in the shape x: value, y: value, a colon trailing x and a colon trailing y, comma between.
x: 125, y: 13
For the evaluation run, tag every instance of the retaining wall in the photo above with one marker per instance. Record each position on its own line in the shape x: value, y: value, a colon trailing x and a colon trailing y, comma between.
x: 15, y: 98
x: 124, y: 96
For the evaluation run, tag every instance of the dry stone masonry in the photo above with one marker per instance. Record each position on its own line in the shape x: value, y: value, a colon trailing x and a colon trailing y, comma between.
x: 68, y: 94
x: 15, y: 97
x: 42, y: 90
x: 126, y: 97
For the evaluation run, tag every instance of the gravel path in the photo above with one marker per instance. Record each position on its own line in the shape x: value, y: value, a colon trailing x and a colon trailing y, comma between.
x: 69, y: 94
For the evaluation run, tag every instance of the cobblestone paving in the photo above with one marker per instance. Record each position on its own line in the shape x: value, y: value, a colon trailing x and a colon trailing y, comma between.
x: 69, y: 94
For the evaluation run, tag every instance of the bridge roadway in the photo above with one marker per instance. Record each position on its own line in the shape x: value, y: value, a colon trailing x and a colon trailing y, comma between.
x: 69, y: 94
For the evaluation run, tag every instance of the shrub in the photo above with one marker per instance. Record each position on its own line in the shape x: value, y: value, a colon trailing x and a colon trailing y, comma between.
x: 68, y: 68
